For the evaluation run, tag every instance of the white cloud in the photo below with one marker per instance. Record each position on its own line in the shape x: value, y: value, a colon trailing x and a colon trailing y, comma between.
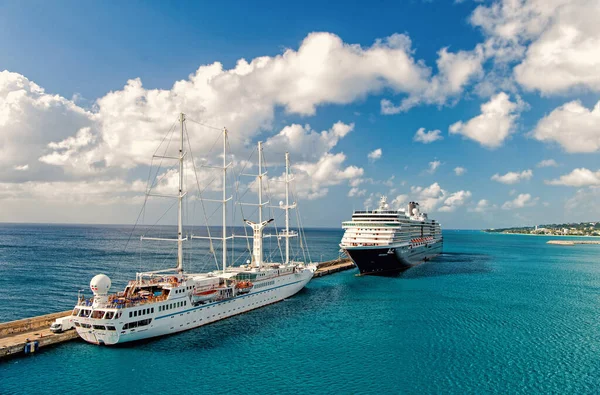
x: 584, y: 204
x: 555, y: 41
x: 483, y: 206
x: 578, y: 178
x: 399, y: 202
x: 493, y: 125
x: 303, y: 142
x: 433, y: 196
x: 313, y: 178
x: 21, y: 167
x: 455, y: 71
x: 455, y: 200
x: 565, y: 55
x: 433, y: 166
x: 128, y: 124
x: 573, y: 126
x: 375, y: 155
x: 30, y: 118
x: 427, y: 137
x: 513, y: 177
x: 354, y: 191
x: 428, y: 197
x: 317, y: 168
x: 522, y: 200
x: 459, y: 171
x: 547, y: 163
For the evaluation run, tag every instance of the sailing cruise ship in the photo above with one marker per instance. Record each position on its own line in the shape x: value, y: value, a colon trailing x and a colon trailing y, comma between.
x: 384, y: 241
x: 167, y: 301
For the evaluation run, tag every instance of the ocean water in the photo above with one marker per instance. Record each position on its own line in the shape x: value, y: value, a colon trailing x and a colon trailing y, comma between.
x: 493, y: 314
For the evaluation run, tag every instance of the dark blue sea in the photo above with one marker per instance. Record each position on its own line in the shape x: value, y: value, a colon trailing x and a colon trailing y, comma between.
x: 493, y: 314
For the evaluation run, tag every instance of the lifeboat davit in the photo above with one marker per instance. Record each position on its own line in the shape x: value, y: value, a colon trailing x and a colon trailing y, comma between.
x: 202, y: 296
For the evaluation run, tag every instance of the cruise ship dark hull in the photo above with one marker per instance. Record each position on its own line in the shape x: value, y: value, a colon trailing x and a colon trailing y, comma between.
x: 391, y: 260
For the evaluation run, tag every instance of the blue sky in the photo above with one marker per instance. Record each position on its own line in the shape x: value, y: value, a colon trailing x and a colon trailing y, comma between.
x: 78, y: 52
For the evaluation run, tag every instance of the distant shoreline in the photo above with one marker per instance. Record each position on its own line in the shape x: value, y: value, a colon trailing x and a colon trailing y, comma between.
x: 529, y: 234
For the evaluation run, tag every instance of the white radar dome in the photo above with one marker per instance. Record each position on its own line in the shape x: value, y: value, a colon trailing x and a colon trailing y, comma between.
x: 100, y: 284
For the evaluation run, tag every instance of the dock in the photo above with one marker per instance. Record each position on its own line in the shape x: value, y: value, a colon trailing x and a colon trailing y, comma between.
x: 28, y: 335
x: 572, y: 242
x: 334, y: 266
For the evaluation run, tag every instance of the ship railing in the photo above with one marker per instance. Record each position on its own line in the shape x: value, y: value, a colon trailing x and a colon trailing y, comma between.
x: 138, y: 301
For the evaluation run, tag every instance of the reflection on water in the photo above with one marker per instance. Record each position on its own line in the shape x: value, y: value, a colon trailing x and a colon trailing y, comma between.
x: 450, y: 263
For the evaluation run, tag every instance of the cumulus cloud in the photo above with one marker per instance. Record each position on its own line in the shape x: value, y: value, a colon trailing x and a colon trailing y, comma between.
x: 459, y: 171
x: 303, y: 142
x: 375, y: 155
x: 455, y: 71
x: 315, y: 167
x: 399, y: 202
x: 427, y: 137
x: 578, y: 178
x: 455, y: 200
x: 30, y: 119
x: 49, y: 134
x: 574, y: 127
x: 483, y: 206
x: 522, y: 200
x: 547, y: 163
x: 128, y: 124
x: 433, y: 198
x: 513, y: 177
x: 554, y: 41
x: 495, y: 123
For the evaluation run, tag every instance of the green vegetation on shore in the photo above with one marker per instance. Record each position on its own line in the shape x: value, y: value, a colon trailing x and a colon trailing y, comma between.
x: 572, y: 229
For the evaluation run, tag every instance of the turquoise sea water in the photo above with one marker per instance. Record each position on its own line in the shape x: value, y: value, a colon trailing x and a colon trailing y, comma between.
x: 494, y: 314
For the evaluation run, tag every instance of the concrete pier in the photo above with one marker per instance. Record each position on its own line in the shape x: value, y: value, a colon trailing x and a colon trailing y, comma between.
x: 19, y: 337
x: 572, y: 242
x: 334, y: 266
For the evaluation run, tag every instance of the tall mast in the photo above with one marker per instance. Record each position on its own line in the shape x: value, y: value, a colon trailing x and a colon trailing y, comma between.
x: 287, y: 208
x: 260, y: 203
x: 180, y: 199
x: 259, y: 181
x: 224, y: 199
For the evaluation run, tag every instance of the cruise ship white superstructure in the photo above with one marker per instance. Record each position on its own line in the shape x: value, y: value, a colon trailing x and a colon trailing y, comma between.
x: 384, y: 241
x: 167, y: 301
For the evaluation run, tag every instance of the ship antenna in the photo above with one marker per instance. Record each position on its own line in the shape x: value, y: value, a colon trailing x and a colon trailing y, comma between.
x: 180, y: 199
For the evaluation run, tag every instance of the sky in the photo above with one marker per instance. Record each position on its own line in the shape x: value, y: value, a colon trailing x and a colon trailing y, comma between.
x: 485, y: 112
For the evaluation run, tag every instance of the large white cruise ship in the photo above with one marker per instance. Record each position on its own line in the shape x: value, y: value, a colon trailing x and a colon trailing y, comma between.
x: 167, y: 301
x: 384, y: 241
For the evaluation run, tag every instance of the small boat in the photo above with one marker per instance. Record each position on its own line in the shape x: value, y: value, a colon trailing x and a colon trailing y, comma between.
x: 205, y: 295
x: 244, y: 287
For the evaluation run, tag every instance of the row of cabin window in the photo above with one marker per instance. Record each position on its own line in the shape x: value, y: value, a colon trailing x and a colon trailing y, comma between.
x: 172, y: 306
x: 101, y: 327
x: 137, y: 323
x: 141, y: 312
x: 265, y: 284
x: 98, y: 314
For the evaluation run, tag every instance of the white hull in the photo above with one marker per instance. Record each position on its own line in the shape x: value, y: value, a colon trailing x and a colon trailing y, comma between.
x: 189, y: 316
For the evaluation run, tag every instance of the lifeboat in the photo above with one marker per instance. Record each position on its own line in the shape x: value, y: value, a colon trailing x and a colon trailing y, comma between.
x: 202, y: 296
x: 243, y: 287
